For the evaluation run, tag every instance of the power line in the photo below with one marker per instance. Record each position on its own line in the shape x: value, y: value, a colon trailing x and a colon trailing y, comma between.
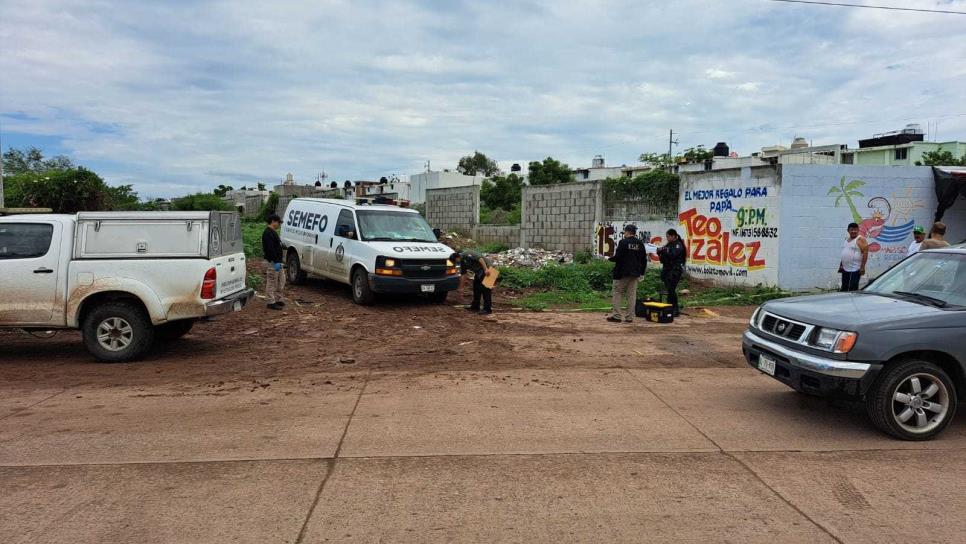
x: 892, y: 8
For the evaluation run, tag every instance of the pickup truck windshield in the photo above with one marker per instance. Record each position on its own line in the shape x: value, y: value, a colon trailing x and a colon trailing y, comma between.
x: 936, y: 279
x: 388, y: 226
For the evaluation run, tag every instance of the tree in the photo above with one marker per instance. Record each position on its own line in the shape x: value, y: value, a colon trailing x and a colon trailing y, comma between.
x: 502, y: 192
x: 200, y: 202
x: 269, y: 207
x: 940, y: 157
x: 31, y: 159
x: 222, y: 190
x: 691, y: 154
x: 63, y: 191
x: 123, y: 198
x: 478, y: 163
x: 549, y: 172
x: 658, y: 187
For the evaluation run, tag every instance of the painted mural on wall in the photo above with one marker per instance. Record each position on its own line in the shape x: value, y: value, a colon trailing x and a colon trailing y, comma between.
x: 886, y: 223
x: 732, y: 230
x: 608, y: 234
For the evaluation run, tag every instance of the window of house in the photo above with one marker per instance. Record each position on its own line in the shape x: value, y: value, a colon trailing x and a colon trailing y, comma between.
x: 902, y: 153
x: 848, y: 158
x: 24, y: 240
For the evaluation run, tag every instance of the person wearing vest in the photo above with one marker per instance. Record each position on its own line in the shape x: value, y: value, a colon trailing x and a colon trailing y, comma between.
x: 630, y: 261
x: 673, y: 256
x: 855, y: 254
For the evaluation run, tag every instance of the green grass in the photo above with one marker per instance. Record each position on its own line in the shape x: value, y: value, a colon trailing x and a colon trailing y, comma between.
x: 587, y: 286
x: 252, y: 237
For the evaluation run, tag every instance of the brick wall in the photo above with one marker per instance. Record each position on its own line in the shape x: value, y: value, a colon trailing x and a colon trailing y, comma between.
x: 888, y: 201
x: 508, y: 235
x: 453, y: 208
x: 561, y: 217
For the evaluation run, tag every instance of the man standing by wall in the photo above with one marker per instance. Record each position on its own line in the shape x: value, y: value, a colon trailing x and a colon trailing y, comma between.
x: 469, y: 261
x: 673, y: 256
x: 855, y: 254
x: 918, y: 235
x: 274, y: 277
x: 630, y: 261
x: 936, y: 237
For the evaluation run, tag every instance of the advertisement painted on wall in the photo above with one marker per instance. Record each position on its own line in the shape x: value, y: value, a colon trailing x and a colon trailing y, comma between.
x: 731, y: 228
x: 885, y: 221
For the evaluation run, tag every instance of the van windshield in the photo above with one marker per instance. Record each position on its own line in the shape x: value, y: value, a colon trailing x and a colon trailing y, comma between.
x: 932, y: 278
x: 388, y: 226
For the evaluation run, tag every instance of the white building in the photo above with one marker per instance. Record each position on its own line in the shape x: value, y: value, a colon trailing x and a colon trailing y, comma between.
x: 599, y: 170
x: 419, y: 183
x: 393, y: 190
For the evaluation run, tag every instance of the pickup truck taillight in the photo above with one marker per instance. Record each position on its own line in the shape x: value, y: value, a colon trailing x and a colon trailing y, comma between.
x: 209, y: 283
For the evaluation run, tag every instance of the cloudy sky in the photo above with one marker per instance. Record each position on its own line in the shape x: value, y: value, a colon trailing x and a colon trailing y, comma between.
x: 179, y: 96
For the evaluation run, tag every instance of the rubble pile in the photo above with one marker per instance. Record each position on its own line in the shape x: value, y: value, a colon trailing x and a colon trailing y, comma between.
x: 457, y: 241
x: 529, y: 258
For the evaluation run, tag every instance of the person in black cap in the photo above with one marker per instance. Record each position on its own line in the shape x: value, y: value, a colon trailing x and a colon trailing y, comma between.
x: 469, y: 261
x: 673, y: 256
x: 274, y: 277
x: 630, y: 262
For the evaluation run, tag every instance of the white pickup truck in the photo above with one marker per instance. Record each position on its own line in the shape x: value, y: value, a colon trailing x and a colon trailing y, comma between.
x: 124, y: 279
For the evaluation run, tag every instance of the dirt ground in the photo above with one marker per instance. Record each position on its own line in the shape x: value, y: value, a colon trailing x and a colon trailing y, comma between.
x: 408, y: 421
x: 322, y: 333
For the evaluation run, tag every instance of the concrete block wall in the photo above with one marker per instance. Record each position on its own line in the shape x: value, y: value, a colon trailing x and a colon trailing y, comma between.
x: 508, y: 235
x: 453, y: 208
x: 561, y: 217
x: 888, y: 201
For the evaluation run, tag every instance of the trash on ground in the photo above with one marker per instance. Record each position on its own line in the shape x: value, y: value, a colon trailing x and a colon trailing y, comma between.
x: 530, y: 257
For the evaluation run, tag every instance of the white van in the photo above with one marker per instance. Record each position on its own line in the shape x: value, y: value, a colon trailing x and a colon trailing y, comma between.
x: 373, y: 248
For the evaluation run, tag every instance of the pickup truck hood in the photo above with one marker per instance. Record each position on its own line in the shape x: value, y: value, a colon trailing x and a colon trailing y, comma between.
x: 412, y: 250
x: 849, y: 310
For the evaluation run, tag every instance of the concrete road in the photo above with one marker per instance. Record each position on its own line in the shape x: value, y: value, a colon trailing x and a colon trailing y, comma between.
x: 357, y: 452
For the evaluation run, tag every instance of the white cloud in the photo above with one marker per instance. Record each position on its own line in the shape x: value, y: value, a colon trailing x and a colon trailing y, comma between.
x: 175, y: 96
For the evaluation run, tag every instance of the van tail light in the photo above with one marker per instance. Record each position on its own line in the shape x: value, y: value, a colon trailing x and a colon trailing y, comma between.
x: 209, y: 283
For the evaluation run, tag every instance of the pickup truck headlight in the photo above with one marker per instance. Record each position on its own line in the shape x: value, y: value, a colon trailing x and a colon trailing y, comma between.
x: 835, y: 340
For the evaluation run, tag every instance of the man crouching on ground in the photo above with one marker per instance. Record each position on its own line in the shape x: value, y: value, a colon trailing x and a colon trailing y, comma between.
x: 274, y: 277
x: 469, y: 261
x: 630, y: 261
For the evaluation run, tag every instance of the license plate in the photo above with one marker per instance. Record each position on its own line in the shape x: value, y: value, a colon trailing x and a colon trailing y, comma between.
x: 237, y: 306
x: 766, y: 365
x: 428, y: 288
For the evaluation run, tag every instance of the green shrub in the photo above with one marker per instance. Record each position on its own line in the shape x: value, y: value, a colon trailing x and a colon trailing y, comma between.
x: 255, y: 280
x: 201, y: 202
x: 252, y: 237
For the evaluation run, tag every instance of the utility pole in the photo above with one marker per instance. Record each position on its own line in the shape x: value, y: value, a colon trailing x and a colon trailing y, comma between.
x: 670, y: 153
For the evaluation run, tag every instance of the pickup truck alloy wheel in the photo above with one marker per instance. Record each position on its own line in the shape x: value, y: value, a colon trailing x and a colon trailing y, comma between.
x: 912, y: 399
x: 114, y: 334
x: 920, y: 403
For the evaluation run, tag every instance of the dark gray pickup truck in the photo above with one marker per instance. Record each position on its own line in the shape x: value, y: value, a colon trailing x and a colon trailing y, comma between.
x: 899, y: 344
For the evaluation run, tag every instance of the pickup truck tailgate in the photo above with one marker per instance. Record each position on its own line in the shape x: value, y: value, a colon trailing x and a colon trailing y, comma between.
x: 231, y: 274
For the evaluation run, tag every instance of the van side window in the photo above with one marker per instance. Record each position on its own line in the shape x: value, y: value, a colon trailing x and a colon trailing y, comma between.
x: 346, y: 223
x: 25, y: 240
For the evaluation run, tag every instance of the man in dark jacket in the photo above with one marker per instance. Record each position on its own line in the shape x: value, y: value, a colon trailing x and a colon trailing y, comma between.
x: 673, y: 256
x: 274, y: 277
x: 480, y: 266
x: 630, y: 261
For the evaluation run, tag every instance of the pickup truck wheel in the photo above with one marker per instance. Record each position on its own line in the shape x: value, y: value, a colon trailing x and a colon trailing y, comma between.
x: 912, y: 400
x: 173, y: 330
x: 117, y: 332
x: 293, y: 269
x: 361, y: 293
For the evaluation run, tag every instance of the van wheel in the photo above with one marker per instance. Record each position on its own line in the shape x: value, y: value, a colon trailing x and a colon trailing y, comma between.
x: 912, y: 400
x: 361, y: 293
x: 293, y: 268
x: 117, y: 332
x: 439, y: 297
x: 173, y: 330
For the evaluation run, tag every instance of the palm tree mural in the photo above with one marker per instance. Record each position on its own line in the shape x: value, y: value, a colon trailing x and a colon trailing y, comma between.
x: 847, y: 191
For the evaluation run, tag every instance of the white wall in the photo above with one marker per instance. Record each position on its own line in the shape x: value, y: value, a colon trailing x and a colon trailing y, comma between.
x: 730, y: 221
x: 888, y: 201
x: 438, y: 180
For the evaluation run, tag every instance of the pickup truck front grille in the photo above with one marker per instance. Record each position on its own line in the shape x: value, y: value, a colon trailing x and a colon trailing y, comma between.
x: 782, y: 327
x: 423, y: 268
